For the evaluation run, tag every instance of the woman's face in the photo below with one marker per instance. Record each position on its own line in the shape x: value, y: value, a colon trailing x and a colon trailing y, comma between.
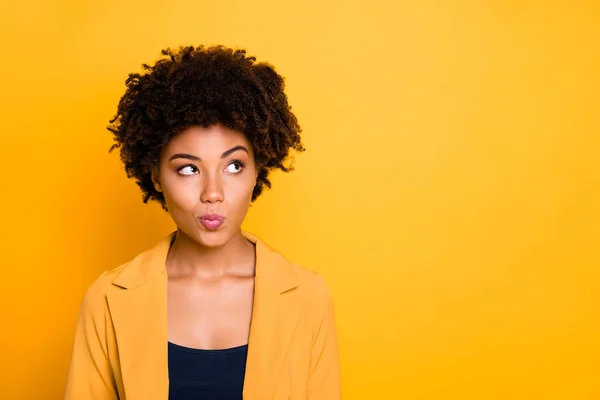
x: 204, y: 172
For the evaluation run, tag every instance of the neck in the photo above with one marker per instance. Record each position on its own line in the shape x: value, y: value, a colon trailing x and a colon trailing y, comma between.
x: 189, y: 258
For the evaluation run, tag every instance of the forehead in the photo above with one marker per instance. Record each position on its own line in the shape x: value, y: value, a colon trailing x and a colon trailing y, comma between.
x: 206, y: 142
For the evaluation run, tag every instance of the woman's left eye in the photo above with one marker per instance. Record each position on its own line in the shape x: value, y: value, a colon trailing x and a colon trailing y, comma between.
x: 239, y: 166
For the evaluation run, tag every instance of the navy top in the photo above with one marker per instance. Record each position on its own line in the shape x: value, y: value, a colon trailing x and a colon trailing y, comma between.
x: 206, y: 374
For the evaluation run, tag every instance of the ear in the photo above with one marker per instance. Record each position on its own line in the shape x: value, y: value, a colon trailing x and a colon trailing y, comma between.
x: 156, y: 180
x: 257, y: 168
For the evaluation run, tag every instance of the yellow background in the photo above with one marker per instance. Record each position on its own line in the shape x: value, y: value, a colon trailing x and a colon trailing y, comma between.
x: 449, y: 194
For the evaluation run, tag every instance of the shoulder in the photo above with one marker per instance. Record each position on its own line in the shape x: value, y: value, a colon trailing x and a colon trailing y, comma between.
x: 137, y: 270
x: 285, y: 274
x: 311, y: 281
x: 314, y: 291
x: 317, y: 299
x: 94, y: 298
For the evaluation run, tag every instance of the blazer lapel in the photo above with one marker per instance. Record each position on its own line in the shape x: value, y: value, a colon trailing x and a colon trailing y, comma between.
x: 274, y: 318
x: 139, y: 314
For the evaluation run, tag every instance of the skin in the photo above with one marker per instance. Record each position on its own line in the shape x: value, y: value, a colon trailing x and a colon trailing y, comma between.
x: 210, y: 272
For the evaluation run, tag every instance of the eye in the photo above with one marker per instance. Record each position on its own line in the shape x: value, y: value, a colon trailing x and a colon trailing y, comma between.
x: 188, y: 170
x: 238, y: 164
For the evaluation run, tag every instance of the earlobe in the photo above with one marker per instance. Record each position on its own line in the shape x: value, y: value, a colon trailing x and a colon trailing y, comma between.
x: 156, y: 181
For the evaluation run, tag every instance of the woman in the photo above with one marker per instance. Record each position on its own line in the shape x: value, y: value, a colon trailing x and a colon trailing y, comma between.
x: 211, y: 312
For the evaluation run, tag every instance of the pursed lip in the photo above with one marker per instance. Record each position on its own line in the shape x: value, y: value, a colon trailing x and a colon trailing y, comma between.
x: 211, y: 221
x: 212, y: 217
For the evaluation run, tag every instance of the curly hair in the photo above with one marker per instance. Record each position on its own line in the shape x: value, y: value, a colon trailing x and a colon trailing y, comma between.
x: 204, y: 86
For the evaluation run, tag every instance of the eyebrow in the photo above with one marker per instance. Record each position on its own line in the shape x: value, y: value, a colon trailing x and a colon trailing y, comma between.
x: 196, y: 158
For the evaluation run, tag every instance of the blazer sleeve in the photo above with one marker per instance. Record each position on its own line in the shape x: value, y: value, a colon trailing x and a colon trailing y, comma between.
x: 90, y: 375
x: 324, y: 374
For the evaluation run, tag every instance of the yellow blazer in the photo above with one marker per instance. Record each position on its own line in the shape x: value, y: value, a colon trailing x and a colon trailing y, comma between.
x: 120, y: 348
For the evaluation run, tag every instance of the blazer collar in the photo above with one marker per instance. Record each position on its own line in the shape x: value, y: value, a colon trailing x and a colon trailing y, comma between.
x: 139, y: 314
x: 270, y: 265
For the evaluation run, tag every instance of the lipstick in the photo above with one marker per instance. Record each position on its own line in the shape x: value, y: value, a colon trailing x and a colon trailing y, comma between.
x: 211, y: 221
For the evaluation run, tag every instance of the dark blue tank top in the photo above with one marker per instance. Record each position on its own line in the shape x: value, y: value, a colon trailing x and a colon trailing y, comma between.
x: 206, y: 374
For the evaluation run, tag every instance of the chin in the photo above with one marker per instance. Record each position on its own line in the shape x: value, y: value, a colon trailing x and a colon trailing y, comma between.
x: 212, y: 238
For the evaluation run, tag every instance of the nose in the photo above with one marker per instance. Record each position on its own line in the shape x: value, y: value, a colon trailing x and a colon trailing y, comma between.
x: 212, y: 191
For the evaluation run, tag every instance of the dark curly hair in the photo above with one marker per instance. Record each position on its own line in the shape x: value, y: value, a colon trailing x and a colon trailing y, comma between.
x: 204, y: 86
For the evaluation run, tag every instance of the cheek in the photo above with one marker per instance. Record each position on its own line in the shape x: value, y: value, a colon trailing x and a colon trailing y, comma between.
x: 249, y: 188
x: 241, y: 193
x: 180, y: 195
